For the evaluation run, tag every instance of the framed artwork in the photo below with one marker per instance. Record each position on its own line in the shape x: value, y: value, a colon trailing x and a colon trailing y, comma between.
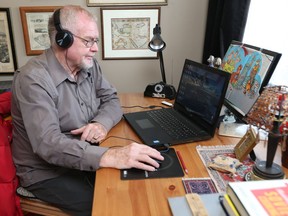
x: 126, y: 32
x: 125, y: 2
x: 8, y: 62
x: 246, y: 144
x: 251, y: 68
x: 35, y: 28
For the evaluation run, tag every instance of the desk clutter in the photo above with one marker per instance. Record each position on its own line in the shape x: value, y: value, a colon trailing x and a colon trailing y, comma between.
x: 207, y: 193
x: 223, y: 167
x: 227, y: 191
x: 250, y: 198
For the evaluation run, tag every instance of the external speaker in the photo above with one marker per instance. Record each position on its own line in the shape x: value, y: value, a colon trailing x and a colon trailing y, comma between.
x: 160, y: 90
x: 64, y: 38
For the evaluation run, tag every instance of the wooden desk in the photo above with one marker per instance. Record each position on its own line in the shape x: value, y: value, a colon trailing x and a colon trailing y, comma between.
x: 113, y: 196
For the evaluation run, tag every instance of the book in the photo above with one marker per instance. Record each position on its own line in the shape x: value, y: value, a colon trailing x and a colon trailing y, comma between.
x: 228, y: 205
x: 263, y: 197
x: 208, y: 204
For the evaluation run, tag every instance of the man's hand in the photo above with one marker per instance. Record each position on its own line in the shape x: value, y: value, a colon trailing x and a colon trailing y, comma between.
x: 93, y: 132
x: 134, y: 155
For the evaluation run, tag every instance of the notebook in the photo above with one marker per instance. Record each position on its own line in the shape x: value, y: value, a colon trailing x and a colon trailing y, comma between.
x: 196, y: 109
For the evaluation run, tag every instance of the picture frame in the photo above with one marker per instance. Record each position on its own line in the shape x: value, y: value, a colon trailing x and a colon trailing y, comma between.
x: 246, y: 144
x: 126, y: 32
x: 92, y: 3
x: 35, y: 28
x: 251, y: 68
x: 8, y: 63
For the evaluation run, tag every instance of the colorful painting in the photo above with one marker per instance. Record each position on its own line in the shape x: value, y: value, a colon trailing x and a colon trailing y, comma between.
x: 248, y: 68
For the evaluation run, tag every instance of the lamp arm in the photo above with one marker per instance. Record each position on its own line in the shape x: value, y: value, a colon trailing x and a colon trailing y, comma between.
x: 162, y: 67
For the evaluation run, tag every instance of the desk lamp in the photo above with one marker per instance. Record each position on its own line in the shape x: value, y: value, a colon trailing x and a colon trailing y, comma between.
x: 270, y: 113
x: 161, y: 89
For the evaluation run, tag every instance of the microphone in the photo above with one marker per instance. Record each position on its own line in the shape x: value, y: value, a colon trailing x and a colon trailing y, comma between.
x: 89, y: 75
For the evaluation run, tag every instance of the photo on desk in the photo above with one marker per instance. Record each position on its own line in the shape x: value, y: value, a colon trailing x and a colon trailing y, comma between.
x: 169, y: 168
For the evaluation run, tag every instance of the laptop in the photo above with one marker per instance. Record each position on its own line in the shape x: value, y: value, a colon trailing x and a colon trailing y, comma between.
x: 197, y: 107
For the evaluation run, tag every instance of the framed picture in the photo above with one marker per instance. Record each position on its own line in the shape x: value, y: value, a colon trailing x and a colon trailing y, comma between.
x: 251, y: 68
x: 35, y: 28
x: 8, y: 62
x: 125, y: 2
x: 246, y: 144
x: 126, y: 32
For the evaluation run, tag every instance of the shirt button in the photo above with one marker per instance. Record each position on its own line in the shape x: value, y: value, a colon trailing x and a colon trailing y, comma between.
x: 82, y: 104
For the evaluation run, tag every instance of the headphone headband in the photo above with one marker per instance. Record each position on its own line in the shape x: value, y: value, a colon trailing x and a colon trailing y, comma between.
x: 63, y: 38
x: 57, y: 22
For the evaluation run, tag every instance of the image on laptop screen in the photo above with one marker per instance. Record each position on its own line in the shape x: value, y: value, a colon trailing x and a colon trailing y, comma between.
x: 200, y: 92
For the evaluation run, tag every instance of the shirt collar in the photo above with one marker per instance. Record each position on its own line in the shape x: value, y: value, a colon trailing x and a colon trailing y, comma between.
x: 57, y: 71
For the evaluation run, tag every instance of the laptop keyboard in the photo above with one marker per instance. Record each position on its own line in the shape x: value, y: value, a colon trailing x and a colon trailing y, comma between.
x: 171, y: 124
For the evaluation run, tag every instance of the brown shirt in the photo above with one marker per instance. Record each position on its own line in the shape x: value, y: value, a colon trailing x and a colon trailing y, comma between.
x: 46, y: 105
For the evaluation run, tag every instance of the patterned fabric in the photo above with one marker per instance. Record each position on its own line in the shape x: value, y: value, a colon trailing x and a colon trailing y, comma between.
x: 221, y: 180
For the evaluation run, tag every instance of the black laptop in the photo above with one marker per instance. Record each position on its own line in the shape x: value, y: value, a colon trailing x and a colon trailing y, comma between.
x: 194, y: 115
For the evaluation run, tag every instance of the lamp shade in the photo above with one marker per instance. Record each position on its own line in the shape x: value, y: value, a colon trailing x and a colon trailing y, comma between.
x: 157, y: 44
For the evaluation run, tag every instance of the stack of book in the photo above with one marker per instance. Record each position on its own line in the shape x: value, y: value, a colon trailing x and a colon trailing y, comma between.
x: 265, y: 197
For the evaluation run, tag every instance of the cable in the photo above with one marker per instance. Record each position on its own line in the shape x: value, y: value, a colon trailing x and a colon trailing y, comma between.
x: 117, y: 137
x: 165, y: 147
x: 147, y: 107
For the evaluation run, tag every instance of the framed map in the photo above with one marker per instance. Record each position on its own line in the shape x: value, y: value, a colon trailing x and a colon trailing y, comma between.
x: 126, y: 32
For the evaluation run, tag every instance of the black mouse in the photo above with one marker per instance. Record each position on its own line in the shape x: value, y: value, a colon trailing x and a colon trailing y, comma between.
x: 159, y: 161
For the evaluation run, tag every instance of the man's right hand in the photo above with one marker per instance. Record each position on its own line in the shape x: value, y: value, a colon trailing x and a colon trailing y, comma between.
x: 132, y: 156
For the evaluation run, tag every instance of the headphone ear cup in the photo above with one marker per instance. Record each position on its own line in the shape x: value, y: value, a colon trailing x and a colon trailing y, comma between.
x: 64, y: 39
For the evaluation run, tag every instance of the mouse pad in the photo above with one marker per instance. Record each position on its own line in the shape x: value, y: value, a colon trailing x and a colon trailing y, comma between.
x: 170, y: 167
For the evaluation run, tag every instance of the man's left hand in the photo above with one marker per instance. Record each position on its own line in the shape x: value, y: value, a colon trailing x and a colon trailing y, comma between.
x: 92, y: 132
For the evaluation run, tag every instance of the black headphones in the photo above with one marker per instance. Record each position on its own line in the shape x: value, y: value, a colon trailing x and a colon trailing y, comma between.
x: 64, y: 38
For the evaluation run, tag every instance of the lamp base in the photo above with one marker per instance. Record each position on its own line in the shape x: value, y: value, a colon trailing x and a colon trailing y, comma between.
x: 160, y: 90
x: 260, y: 171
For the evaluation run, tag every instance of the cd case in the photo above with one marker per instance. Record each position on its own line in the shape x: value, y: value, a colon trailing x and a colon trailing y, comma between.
x: 170, y: 167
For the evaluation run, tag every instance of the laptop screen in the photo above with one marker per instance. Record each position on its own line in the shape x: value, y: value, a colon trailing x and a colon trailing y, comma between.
x: 201, y: 92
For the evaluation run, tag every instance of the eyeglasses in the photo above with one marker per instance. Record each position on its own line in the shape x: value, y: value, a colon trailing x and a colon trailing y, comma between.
x: 88, y: 43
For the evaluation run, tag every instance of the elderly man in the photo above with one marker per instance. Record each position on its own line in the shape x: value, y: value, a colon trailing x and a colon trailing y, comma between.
x: 62, y: 106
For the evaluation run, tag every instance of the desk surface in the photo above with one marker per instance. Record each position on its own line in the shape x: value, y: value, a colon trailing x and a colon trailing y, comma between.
x: 113, y: 196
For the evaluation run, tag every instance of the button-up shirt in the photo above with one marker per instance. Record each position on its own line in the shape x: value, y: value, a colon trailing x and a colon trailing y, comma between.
x: 47, y: 103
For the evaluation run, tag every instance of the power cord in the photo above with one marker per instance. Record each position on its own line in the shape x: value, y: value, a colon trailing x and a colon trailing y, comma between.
x: 144, y: 107
x: 165, y: 147
x: 117, y: 137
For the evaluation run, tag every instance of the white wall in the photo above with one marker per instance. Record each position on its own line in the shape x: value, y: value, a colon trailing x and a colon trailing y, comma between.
x: 274, y: 37
x: 183, y: 28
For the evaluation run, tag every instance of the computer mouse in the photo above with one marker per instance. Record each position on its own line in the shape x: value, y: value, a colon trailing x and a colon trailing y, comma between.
x: 159, y: 161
